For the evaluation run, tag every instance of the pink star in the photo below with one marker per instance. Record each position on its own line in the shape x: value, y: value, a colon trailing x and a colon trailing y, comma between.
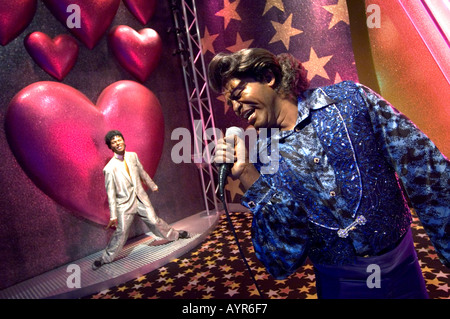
x: 285, y: 290
x: 433, y: 256
x: 441, y: 274
x: 232, y: 292
x: 443, y: 287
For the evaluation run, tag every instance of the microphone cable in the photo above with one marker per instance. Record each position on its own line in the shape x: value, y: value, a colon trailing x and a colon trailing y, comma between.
x: 224, y: 170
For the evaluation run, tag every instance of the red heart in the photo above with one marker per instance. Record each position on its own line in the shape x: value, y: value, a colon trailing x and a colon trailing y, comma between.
x: 137, y: 52
x: 57, y: 136
x: 95, y: 17
x: 56, y: 57
x: 143, y: 10
x: 15, y: 16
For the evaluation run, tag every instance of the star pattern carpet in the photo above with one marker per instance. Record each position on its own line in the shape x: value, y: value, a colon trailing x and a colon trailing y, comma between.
x: 215, y: 270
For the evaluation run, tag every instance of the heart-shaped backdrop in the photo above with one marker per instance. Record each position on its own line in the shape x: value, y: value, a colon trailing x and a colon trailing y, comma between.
x: 137, y: 52
x: 15, y: 16
x: 56, y: 57
x: 57, y: 135
x: 143, y: 10
x: 95, y: 16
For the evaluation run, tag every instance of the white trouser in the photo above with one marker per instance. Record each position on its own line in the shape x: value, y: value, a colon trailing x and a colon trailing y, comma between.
x: 157, y: 226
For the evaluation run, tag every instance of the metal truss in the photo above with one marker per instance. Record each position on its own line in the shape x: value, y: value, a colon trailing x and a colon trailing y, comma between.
x: 198, y: 96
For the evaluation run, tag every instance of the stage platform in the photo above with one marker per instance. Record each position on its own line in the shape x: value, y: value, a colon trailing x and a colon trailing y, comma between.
x: 141, y: 255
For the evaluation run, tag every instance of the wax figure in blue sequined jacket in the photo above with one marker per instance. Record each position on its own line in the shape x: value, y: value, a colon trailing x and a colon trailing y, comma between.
x: 358, y: 146
x: 346, y: 167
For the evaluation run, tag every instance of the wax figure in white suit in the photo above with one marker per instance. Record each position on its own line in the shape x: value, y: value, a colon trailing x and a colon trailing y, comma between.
x: 127, y: 197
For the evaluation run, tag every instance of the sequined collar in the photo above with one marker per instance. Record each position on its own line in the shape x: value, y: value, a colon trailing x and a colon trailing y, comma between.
x: 310, y: 100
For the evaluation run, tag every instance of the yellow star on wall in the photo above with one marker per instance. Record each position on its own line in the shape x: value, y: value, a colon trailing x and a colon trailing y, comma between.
x: 239, y: 44
x: 207, y: 41
x: 315, y: 65
x: 273, y: 3
x: 340, y: 13
x: 229, y: 12
x: 284, y: 31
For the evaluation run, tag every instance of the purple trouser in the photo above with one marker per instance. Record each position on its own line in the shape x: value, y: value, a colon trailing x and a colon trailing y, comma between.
x: 393, y: 275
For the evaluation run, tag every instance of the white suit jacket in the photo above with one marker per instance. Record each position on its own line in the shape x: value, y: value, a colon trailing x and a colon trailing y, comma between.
x: 122, y: 189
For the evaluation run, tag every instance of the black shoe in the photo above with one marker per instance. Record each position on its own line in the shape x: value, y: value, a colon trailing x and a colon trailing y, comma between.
x: 183, y: 234
x: 97, y: 264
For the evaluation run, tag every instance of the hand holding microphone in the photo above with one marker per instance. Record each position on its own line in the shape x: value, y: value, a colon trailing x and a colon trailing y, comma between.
x: 230, y: 152
x: 232, y: 156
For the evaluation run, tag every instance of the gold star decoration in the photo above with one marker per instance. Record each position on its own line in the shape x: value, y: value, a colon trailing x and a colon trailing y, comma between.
x: 229, y: 12
x: 207, y: 41
x: 315, y: 65
x: 239, y: 44
x: 339, y: 12
x: 284, y: 31
x: 233, y: 187
x: 273, y: 3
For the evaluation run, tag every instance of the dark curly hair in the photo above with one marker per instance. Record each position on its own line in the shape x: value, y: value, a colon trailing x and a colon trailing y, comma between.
x: 110, y: 135
x: 257, y: 63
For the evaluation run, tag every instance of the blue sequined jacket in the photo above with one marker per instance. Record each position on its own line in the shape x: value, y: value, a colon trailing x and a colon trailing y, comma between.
x: 338, y: 191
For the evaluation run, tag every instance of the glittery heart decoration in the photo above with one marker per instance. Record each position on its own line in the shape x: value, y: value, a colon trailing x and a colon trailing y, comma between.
x: 57, y: 136
x: 95, y: 16
x: 56, y: 57
x: 15, y: 16
x: 137, y: 52
x: 143, y: 10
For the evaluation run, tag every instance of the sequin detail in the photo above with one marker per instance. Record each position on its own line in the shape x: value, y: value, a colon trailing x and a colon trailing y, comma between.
x: 346, y: 157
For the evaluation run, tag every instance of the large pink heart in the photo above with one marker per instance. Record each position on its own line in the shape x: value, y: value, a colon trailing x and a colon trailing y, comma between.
x: 95, y: 17
x: 143, y: 10
x: 56, y: 57
x: 57, y: 136
x: 137, y: 52
x: 15, y: 16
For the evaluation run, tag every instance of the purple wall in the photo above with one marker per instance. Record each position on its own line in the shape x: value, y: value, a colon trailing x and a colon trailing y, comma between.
x: 315, y: 32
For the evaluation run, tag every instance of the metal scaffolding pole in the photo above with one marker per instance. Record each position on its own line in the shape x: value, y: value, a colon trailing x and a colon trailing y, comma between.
x: 198, y: 96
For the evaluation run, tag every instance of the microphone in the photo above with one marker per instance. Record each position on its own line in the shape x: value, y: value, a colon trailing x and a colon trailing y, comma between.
x: 225, y: 168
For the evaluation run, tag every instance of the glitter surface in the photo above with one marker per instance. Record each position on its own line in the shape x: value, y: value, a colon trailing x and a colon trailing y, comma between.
x: 15, y: 16
x: 143, y: 10
x: 56, y: 56
x: 137, y: 52
x: 57, y: 135
x: 95, y: 16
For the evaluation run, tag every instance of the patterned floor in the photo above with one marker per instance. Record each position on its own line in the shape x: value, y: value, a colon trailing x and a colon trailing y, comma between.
x: 215, y: 270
